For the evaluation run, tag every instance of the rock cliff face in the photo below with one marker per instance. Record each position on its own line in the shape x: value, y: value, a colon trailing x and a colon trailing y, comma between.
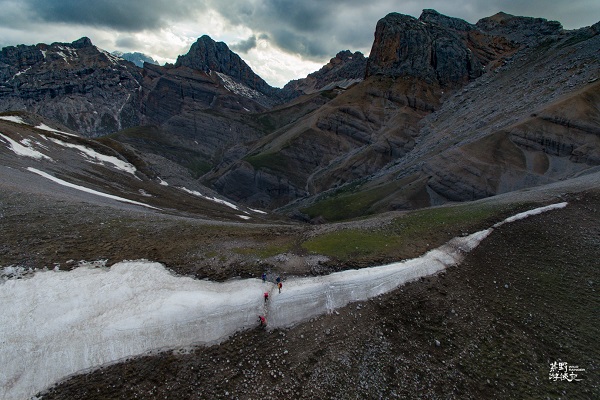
x: 76, y: 84
x: 406, y: 46
x: 436, y: 48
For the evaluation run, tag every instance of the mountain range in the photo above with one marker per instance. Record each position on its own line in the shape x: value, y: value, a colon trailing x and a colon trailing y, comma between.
x: 440, y: 111
x: 203, y: 167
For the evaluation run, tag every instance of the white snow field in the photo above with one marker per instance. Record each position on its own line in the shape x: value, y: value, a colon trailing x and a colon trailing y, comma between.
x: 58, y: 323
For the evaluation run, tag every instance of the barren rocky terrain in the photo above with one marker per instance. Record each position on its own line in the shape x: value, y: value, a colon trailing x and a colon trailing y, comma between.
x: 488, y: 328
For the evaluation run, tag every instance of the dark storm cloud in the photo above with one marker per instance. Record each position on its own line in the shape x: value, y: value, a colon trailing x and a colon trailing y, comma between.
x: 313, y: 29
x: 122, y: 15
x: 129, y: 42
x: 245, y: 45
x: 310, y: 28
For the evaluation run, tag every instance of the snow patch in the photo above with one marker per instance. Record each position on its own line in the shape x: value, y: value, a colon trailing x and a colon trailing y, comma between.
x: 58, y: 323
x: 238, y: 88
x: 214, y: 199
x: 102, y: 158
x: 24, y: 149
x: 14, y: 272
x: 111, y: 57
x: 64, y: 57
x: 21, y: 72
x: 531, y: 212
x: 88, y: 190
x: 45, y: 127
x: 13, y: 118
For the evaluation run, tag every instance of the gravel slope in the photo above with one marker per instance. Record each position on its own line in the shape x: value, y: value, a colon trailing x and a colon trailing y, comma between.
x: 489, y: 328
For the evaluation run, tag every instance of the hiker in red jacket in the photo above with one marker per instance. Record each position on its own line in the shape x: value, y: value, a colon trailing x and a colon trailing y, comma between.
x: 279, y: 285
x: 266, y: 295
x: 262, y: 320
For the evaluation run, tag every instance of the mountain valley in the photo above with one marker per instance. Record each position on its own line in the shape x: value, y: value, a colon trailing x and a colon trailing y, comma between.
x: 445, y: 129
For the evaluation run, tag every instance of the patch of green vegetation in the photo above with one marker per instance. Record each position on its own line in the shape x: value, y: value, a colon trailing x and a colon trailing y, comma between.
x: 266, y: 123
x: 344, y: 205
x: 329, y: 94
x: 410, y: 234
x: 427, y: 221
x: 348, y: 244
x: 211, y: 254
x: 273, y: 161
x: 151, y: 139
x: 197, y: 167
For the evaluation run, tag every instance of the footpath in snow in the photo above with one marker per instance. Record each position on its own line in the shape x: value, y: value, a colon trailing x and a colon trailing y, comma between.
x: 56, y: 324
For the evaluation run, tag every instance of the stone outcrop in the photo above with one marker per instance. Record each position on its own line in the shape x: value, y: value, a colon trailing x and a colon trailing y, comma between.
x: 523, y: 30
x: 343, y: 70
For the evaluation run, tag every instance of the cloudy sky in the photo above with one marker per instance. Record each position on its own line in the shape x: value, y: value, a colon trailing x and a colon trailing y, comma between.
x: 279, y: 39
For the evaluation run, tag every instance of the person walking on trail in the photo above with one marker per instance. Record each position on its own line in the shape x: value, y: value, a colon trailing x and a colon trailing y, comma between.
x: 262, y: 320
x: 266, y: 295
x: 279, y: 285
x: 264, y: 277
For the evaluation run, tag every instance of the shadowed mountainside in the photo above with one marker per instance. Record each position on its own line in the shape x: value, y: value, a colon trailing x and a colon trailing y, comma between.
x: 449, y: 111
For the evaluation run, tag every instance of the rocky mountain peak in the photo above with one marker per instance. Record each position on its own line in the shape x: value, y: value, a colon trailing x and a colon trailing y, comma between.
x: 345, y: 65
x: 207, y: 55
x: 524, y: 30
x: 432, y: 16
x: 82, y: 42
x: 433, y: 52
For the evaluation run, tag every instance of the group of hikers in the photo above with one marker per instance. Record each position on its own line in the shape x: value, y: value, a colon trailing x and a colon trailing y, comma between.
x: 262, y: 320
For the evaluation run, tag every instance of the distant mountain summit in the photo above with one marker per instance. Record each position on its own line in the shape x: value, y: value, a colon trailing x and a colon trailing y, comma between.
x: 450, y: 51
x: 210, y: 56
x: 137, y: 58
